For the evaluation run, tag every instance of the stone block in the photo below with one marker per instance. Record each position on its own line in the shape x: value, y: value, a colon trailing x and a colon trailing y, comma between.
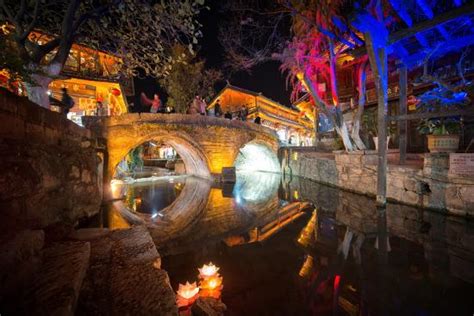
x: 11, y: 127
x: 208, y: 306
x: 56, y: 288
x: 141, y: 289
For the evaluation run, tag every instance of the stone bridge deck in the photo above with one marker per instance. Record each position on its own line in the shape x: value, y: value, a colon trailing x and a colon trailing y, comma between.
x: 206, y: 144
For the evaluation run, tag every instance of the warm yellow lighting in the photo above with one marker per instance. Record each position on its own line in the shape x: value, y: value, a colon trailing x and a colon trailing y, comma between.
x: 208, y: 270
x: 116, y: 188
x: 296, y: 195
x: 295, y: 156
x: 211, y: 283
x: 307, y: 267
x: 309, y: 234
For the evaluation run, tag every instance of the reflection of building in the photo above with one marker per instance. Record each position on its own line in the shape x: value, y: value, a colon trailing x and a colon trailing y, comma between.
x: 292, y: 126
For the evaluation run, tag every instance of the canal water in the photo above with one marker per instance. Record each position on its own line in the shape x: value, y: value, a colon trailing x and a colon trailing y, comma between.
x: 296, y: 247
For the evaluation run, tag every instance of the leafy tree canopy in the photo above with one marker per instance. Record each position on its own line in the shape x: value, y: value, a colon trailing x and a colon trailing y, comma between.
x: 140, y: 32
x: 188, y: 77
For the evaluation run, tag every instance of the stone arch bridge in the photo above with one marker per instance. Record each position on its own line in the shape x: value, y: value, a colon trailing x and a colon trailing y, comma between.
x: 206, y: 144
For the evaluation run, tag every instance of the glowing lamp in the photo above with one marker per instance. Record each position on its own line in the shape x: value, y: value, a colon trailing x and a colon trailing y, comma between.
x: 211, y: 283
x: 208, y: 270
x: 187, y: 294
x: 115, y: 92
x: 116, y: 188
x: 211, y: 286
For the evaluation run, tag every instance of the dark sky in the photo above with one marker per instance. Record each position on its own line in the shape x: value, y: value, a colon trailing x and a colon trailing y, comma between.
x: 265, y: 78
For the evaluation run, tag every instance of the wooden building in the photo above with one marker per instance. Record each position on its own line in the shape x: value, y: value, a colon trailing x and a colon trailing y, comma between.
x: 292, y: 126
x: 91, y: 78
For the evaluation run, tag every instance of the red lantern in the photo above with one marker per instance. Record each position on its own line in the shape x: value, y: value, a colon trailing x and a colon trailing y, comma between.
x: 115, y: 92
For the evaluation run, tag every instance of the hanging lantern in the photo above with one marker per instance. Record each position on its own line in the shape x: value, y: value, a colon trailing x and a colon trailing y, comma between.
x: 187, y: 294
x: 115, y: 92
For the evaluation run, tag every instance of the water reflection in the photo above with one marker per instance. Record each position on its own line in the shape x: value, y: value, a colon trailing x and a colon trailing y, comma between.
x: 341, y: 257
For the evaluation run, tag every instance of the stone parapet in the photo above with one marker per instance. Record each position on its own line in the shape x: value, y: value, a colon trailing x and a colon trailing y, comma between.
x: 429, y: 185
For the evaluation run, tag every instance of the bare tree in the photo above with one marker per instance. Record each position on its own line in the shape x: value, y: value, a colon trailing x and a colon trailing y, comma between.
x: 316, y: 36
x: 140, y: 32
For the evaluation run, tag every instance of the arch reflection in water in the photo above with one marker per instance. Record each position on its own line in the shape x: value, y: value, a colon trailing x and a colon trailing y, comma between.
x: 256, y: 156
x: 202, y: 212
x: 252, y: 187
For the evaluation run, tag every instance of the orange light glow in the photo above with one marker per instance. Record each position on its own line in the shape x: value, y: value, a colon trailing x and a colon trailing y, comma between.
x: 211, y: 283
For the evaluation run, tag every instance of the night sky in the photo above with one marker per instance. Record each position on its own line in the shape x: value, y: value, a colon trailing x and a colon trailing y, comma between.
x: 265, y: 78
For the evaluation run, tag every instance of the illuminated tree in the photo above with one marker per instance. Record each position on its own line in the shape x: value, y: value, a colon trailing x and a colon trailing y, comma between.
x: 318, y: 37
x: 187, y: 78
x: 140, y: 32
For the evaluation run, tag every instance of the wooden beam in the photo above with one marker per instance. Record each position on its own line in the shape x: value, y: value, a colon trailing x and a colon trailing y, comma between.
x: 459, y: 12
x: 426, y: 8
x: 442, y: 49
x: 463, y: 11
x: 443, y: 32
x: 419, y: 116
x: 402, y: 106
x: 399, y: 7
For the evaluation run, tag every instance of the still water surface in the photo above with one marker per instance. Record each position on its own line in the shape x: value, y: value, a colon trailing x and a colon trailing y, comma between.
x: 295, y: 247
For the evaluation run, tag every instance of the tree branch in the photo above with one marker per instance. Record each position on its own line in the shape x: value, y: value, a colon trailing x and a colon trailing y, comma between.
x: 30, y: 27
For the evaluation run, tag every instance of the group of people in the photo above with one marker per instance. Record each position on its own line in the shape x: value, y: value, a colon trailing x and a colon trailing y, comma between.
x: 199, y: 107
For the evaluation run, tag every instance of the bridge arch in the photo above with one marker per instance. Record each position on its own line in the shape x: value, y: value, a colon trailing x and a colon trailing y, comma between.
x: 206, y: 144
x: 195, y: 160
x: 257, y: 155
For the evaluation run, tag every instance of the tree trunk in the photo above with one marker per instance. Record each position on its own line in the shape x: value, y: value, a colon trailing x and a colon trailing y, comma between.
x: 338, y: 122
x: 360, y: 108
x: 378, y: 64
x: 38, y: 91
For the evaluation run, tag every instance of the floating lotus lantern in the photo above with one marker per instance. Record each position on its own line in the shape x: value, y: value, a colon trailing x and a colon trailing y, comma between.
x: 211, y: 281
x: 208, y: 270
x: 187, y: 294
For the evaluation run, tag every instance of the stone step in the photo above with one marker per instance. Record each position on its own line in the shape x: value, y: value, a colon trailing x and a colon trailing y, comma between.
x: 56, y: 287
x: 20, y: 255
x: 125, y: 275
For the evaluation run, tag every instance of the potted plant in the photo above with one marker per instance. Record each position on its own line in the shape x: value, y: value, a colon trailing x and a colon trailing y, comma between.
x: 370, y: 127
x: 442, y: 134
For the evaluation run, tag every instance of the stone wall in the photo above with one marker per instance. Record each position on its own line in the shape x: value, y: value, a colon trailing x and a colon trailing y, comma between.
x: 429, y: 186
x: 50, y: 168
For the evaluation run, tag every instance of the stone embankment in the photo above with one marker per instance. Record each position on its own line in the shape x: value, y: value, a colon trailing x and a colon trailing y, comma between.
x: 89, y: 272
x: 427, y: 184
x: 51, y: 172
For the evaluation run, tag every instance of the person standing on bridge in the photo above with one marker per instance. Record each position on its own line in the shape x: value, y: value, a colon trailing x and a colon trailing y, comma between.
x: 202, y: 106
x: 194, y: 108
x: 154, y: 104
x: 218, y: 108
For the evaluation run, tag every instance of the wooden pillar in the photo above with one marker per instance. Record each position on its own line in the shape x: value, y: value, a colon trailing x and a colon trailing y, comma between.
x: 402, y: 109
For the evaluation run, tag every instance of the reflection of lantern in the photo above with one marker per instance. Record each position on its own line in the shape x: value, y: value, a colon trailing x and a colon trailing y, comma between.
x: 187, y: 294
x: 115, y: 92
